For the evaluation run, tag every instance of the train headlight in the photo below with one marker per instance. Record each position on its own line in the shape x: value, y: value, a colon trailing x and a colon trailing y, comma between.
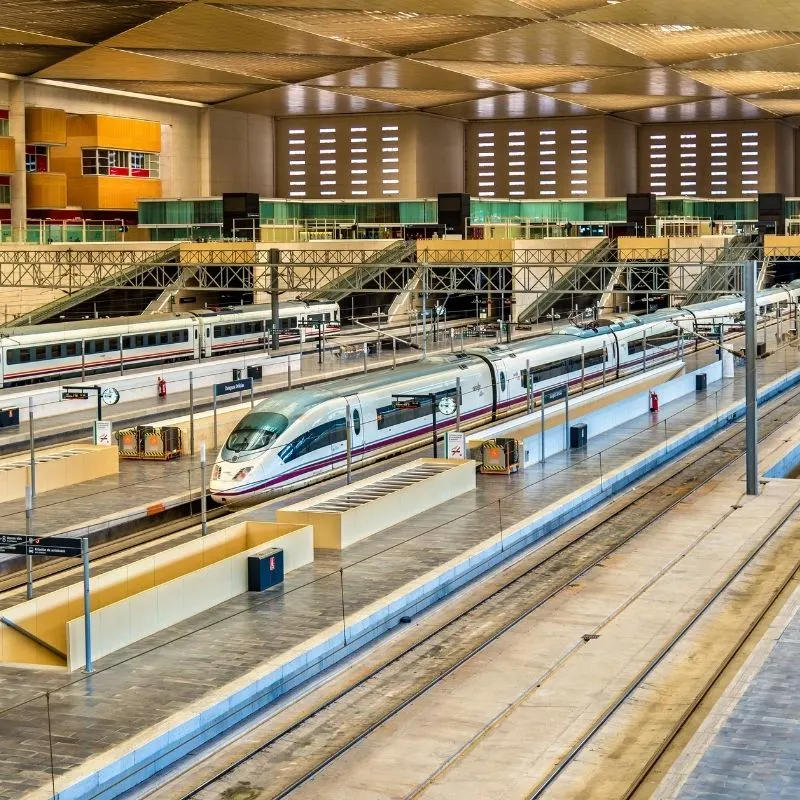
x: 216, y: 472
x: 242, y: 473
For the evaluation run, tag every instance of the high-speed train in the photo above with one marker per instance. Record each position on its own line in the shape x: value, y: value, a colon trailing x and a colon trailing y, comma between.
x: 299, y: 437
x: 39, y: 352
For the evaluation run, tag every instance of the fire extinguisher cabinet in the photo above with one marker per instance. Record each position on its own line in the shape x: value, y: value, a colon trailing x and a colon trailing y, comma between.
x: 265, y: 569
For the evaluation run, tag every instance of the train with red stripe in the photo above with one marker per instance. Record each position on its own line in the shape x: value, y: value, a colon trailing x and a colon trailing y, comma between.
x: 299, y: 437
x: 61, y: 350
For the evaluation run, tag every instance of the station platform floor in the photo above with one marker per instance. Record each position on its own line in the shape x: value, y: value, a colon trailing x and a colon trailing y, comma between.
x: 748, y: 747
x: 138, y: 688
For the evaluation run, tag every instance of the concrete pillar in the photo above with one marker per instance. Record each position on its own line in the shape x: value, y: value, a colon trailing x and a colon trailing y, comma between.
x: 19, y: 193
x: 204, y: 151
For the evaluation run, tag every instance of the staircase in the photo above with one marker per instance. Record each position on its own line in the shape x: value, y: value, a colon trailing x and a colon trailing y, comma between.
x: 355, y: 279
x: 603, y: 253
x: 118, y: 280
x: 718, y: 277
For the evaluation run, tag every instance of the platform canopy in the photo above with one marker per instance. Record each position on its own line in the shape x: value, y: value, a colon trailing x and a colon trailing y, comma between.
x: 644, y: 60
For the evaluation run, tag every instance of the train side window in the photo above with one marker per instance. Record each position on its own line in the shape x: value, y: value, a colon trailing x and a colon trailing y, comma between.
x: 126, y: 342
x: 12, y: 356
x: 163, y: 338
x: 25, y: 355
x: 502, y: 381
x: 217, y: 330
x: 152, y: 339
x: 327, y: 316
x: 356, y: 422
x: 138, y: 341
x: 112, y: 345
x: 40, y: 354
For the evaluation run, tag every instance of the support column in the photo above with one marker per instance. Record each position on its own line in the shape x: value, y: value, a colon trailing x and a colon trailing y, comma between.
x: 751, y: 396
x: 204, y: 151
x: 19, y: 191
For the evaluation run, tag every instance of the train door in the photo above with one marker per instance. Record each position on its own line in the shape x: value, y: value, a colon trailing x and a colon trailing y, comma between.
x: 206, y: 338
x: 357, y: 425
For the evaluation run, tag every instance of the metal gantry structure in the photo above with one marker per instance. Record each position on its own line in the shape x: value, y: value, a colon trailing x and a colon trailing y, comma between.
x: 233, y: 267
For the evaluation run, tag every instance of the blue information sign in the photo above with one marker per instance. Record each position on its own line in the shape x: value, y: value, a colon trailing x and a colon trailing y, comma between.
x: 558, y: 393
x: 231, y: 387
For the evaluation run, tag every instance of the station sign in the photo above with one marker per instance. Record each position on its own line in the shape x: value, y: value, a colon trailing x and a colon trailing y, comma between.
x: 232, y: 387
x: 74, y: 394
x: 558, y: 393
x: 41, y: 545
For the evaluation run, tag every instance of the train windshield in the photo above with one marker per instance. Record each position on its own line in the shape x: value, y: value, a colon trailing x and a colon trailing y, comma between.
x: 256, y: 431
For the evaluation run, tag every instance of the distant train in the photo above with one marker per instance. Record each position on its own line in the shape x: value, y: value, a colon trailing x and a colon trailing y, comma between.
x: 42, y: 352
x: 299, y: 437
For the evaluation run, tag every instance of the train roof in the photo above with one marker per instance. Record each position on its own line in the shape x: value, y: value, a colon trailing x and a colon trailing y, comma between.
x: 300, y: 400
x: 108, y: 322
x: 91, y: 324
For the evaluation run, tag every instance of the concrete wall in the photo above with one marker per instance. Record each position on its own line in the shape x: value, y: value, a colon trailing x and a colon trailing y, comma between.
x: 184, y: 581
x: 439, y: 155
x: 148, y: 595
x: 337, y: 529
x: 57, y: 467
x: 241, y: 153
x: 621, y: 163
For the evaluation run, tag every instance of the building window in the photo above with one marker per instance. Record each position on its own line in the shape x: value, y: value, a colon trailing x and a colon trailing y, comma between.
x: 4, y: 131
x: 36, y: 159
x: 5, y: 190
x: 120, y: 163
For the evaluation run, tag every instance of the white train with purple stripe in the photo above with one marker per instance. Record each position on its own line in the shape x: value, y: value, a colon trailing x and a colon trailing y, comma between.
x: 299, y: 437
x: 34, y: 353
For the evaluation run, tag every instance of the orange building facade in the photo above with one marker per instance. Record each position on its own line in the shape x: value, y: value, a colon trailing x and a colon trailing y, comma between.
x: 89, y: 166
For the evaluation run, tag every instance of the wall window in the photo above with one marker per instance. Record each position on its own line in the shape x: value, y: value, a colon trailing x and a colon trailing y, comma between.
x: 120, y: 163
x: 36, y: 158
x: 5, y: 193
x: 4, y: 130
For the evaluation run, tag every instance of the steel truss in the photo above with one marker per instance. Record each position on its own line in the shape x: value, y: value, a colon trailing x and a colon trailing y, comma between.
x: 483, y: 271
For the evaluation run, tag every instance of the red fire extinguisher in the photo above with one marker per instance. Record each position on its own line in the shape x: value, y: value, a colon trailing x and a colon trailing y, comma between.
x: 162, y: 388
x: 653, y: 401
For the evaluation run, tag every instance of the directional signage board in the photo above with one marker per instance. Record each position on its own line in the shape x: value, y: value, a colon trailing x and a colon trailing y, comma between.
x: 40, y: 545
x: 72, y: 394
x: 558, y: 393
x: 231, y: 387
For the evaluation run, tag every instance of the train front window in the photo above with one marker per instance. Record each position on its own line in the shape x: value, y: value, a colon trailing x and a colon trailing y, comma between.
x: 256, y: 431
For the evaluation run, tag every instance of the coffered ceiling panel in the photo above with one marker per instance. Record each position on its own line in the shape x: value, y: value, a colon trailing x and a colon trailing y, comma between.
x: 403, y: 73
x: 527, y: 76
x: 298, y: 100
x: 644, y: 60
x: 197, y: 92
x: 774, y: 15
x: 391, y: 32
x: 120, y: 65
x: 728, y: 108
x: 202, y: 27
x: 483, y: 8
x: 673, y: 44
x: 286, y: 68
x: 80, y: 20
x: 545, y: 43
x: 518, y: 105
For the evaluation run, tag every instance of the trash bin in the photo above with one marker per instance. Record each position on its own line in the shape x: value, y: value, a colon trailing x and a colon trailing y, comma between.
x: 9, y: 418
x: 256, y: 372
x: 265, y: 569
x: 578, y: 435
x: 761, y: 349
x: 700, y: 381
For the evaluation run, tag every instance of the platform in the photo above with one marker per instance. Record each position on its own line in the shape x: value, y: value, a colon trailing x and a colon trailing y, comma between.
x: 148, y: 689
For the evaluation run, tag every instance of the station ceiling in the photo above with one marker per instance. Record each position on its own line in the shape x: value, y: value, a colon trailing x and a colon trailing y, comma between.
x: 644, y: 60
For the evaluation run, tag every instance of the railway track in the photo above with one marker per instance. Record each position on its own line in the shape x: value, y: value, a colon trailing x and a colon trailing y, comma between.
x: 301, y: 747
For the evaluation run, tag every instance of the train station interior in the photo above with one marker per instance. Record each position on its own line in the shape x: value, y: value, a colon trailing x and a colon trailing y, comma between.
x: 399, y: 401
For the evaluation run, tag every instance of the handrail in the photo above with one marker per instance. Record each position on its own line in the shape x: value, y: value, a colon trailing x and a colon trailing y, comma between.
x: 33, y: 637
